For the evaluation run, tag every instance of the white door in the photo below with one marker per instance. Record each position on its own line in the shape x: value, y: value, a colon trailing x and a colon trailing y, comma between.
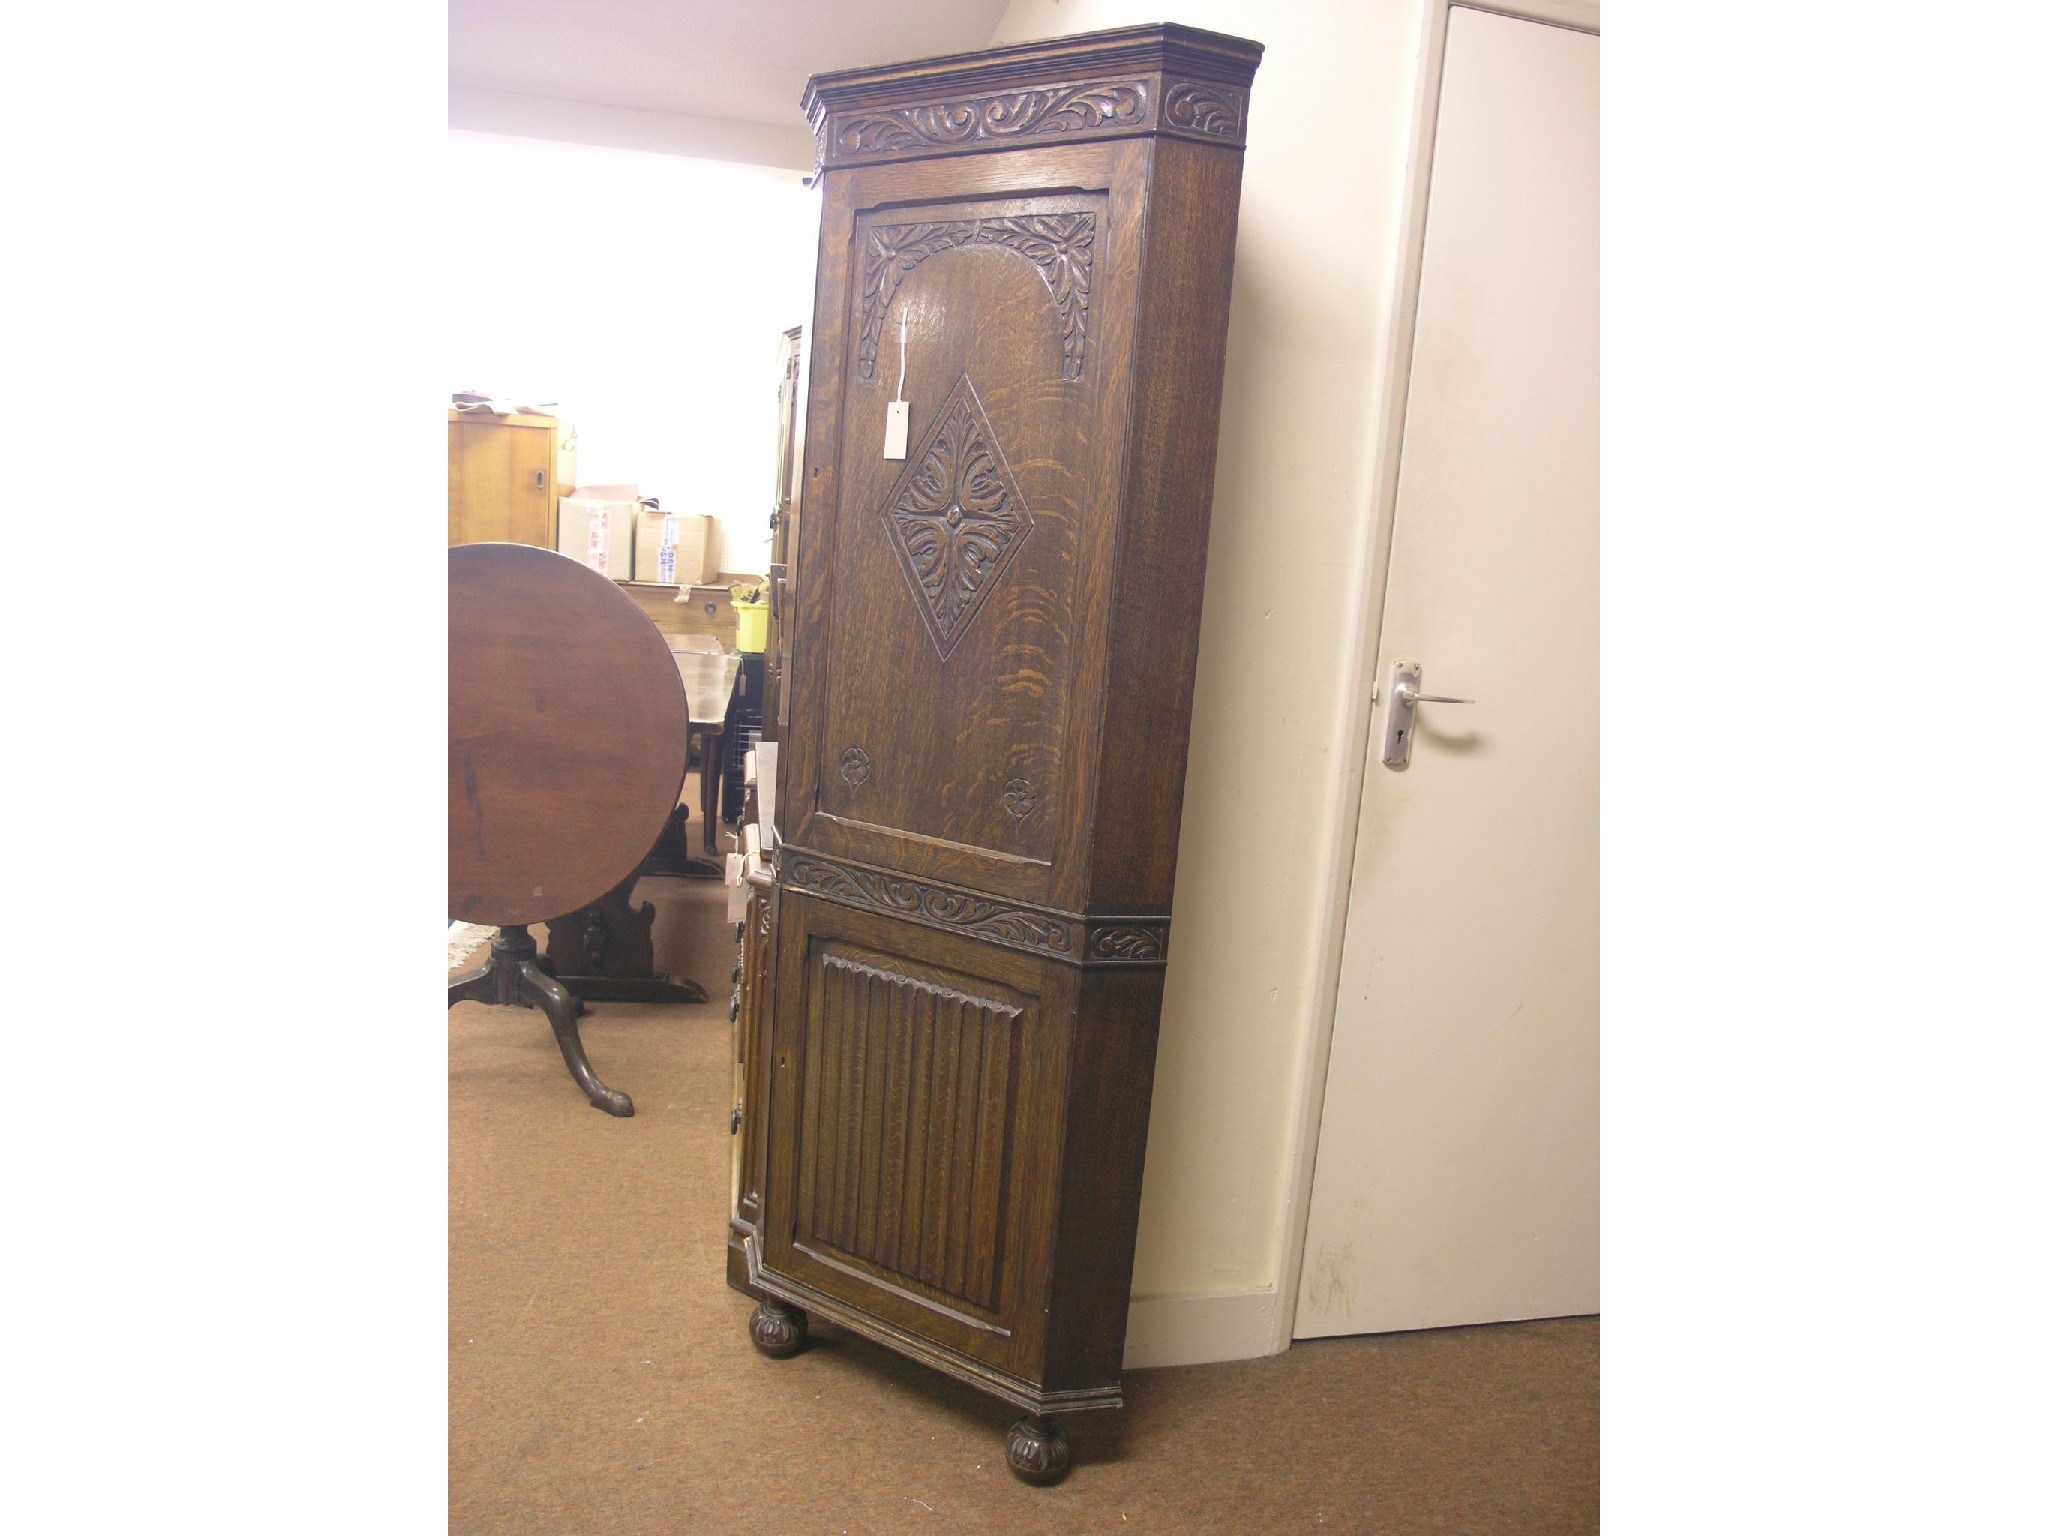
x: 1457, y: 1171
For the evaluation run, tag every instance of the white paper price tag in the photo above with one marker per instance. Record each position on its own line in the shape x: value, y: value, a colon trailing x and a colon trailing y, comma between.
x: 896, y: 432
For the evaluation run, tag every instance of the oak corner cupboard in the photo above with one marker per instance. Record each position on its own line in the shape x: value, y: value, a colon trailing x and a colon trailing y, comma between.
x: 950, y: 996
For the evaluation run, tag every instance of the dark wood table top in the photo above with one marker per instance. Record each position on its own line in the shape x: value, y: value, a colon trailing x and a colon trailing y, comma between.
x: 568, y: 734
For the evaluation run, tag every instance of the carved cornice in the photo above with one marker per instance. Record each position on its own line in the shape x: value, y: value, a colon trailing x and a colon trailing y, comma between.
x: 1059, y: 111
x: 1101, y: 85
x: 1060, y: 245
x: 1091, y: 109
x: 1088, y: 941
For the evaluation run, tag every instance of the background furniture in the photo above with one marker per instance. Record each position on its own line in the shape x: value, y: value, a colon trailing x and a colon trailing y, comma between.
x: 709, y: 679
x: 702, y: 613
x: 743, y: 728
x: 568, y: 736
x: 605, y: 953
x: 501, y: 479
x: 992, y: 658
x: 783, y: 519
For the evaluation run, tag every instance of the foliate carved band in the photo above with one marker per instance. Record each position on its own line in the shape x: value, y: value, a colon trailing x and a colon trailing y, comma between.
x: 1128, y: 944
x: 1060, y: 935
x: 956, y: 910
x: 1085, y: 107
x: 1060, y: 245
x: 1213, y: 111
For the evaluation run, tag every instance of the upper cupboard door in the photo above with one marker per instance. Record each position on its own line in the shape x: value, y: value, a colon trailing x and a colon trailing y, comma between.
x: 958, y: 611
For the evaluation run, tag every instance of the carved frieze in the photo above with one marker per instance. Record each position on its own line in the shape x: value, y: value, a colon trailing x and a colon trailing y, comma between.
x: 1127, y: 943
x: 1059, y: 935
x: 1018, y: 927
x: 1213, y: 111
x: 1060, y: 245
x: 955, y: 519
x: 1050, y: 111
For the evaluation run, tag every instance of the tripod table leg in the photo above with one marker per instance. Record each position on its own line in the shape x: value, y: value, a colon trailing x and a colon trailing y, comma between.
x: 555, y: 1001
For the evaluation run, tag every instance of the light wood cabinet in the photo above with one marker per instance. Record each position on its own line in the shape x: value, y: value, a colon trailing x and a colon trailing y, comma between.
x: 501, y: 479
x: 702, y: 612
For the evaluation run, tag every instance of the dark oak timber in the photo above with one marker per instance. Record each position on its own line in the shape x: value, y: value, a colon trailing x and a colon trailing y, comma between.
x: 953, y: 1003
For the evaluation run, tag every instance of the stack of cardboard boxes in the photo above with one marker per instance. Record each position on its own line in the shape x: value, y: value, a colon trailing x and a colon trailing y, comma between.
x: 618, y: 533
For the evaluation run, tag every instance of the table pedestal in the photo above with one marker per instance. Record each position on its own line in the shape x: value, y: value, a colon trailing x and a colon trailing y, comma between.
x: 513, y: 977
x: 605, y: 953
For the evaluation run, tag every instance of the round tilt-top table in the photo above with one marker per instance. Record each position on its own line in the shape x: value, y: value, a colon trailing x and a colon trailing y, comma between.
x: 568, y: 739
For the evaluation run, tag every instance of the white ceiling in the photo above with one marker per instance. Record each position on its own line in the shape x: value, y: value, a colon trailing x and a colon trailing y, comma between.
x: 740, y: 59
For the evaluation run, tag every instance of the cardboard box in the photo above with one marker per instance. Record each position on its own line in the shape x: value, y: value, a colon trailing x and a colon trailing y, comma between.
x: 673, y: 548
x: 598, y: 530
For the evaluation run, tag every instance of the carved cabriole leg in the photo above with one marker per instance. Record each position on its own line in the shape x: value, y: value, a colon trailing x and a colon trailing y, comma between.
x: 778, y: 1330
x: 1036, y: 1450
x: 561, y: 1008
x: 512, y: 977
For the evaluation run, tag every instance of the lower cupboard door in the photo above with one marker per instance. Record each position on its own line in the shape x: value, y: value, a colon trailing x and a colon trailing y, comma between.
x: 913, y: 1144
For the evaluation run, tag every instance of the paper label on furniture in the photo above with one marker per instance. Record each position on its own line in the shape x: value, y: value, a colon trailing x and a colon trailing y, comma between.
x: 896, y: 432
x: 765, y: 762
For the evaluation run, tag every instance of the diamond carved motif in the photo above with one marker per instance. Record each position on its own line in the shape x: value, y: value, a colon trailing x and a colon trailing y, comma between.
x: 955, y: 518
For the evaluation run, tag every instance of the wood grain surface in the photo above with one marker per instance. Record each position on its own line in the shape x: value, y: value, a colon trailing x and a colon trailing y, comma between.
x: 568, y: 735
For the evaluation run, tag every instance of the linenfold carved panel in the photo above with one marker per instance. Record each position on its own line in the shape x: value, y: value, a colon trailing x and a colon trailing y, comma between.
x: 1060, y: 245
x: 909, y: 1087
x: 955, y: 519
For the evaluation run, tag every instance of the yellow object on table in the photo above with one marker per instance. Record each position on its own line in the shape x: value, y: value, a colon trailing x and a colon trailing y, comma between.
x: 753, y: 626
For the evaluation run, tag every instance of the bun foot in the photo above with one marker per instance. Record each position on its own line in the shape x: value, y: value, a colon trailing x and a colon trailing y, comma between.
x: 1036, y: 1450
x: 777, y: 1331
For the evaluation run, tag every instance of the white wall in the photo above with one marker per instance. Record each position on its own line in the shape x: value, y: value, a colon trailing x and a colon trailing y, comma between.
x: 646, y: 293
x: 1271, y: 790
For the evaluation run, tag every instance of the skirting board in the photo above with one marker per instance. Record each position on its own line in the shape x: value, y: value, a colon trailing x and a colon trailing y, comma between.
x: 1200, y: 1329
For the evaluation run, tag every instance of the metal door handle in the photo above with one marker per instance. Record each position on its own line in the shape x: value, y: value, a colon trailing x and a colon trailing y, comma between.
x: 1403, y: 696
x: 1408, y: 695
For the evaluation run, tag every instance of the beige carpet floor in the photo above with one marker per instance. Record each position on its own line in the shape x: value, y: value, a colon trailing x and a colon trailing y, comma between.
x: 600, y: 1377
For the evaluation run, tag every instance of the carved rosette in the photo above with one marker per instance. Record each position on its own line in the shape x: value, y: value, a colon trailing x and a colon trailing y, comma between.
x: 1085, y: 107
x: 1213, y: 111
x: 1060, y: 245
x: 955, y: 519
x: 855, y: 766
x: 1019, y: 798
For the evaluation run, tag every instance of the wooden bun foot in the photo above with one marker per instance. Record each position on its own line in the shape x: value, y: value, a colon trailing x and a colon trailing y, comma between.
x: 1036, y: 1450
x: 778, y: 1331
